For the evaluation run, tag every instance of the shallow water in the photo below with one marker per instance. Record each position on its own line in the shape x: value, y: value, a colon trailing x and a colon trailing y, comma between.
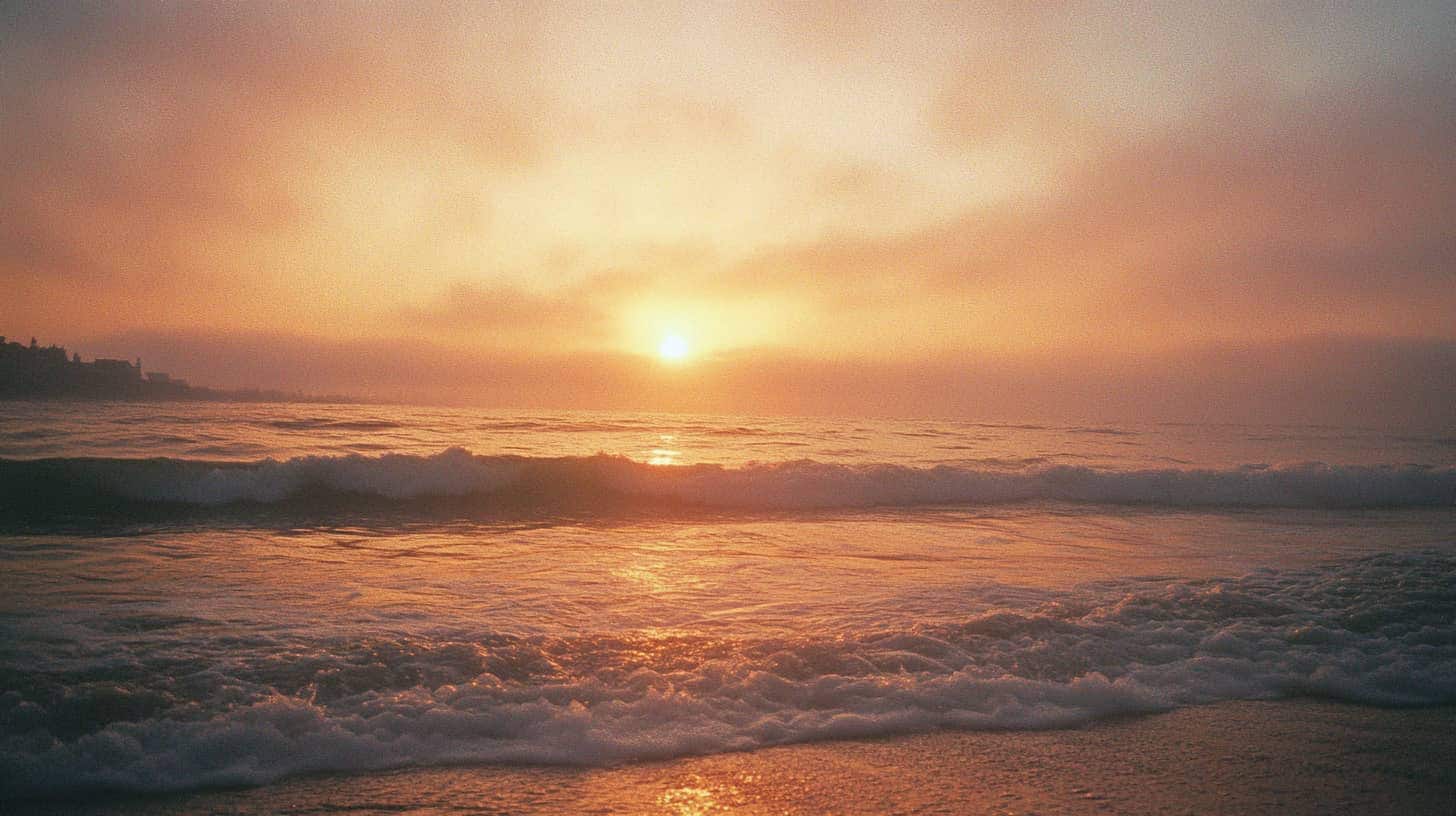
x: 1285, y: 758
x: 209, y: 594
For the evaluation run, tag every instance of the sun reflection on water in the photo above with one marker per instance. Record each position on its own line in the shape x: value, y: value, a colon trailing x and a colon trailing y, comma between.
x: 663, y: 454
x: 647, y: 577
x: 698, y: 797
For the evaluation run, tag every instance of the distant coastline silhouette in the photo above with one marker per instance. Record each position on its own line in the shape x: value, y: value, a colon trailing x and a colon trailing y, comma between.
x: 46, y: 372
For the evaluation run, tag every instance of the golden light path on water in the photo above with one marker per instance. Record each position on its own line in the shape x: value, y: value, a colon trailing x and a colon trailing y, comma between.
x: 634, y: 607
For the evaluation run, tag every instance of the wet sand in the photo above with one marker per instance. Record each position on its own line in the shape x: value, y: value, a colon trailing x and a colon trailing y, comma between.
x: 1286, y: 757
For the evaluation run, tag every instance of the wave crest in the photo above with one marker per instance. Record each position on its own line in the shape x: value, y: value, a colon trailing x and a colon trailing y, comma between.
x: 802, y: 484
x: 1376, y: 631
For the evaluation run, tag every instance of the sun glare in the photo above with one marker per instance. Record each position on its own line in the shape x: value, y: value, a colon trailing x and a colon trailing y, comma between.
x: 673, y: 348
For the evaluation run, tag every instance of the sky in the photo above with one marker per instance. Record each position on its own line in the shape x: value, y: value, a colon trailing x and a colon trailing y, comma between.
x: 1160, y: 212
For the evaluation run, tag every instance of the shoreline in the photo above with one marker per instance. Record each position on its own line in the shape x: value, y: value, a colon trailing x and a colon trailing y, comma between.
x: 1299, y: 756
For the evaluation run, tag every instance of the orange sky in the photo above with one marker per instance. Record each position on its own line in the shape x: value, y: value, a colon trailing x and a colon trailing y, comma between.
x: 1245, y: 209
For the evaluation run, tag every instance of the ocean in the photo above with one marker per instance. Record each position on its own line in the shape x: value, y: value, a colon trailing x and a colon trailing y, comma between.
x: 205, y: 596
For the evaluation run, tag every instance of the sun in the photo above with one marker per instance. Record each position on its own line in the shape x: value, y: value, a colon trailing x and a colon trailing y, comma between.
x: 673, y: 348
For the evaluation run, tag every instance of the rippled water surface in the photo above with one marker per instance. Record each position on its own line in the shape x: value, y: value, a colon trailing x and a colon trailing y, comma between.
x: 212, y: 594
x: 247, y: 432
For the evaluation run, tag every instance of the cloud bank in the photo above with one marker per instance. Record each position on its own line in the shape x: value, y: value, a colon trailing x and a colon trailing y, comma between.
x: 908, y: 202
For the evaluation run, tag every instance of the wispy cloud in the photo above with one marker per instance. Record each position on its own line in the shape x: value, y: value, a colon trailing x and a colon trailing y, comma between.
x: 872, y: 186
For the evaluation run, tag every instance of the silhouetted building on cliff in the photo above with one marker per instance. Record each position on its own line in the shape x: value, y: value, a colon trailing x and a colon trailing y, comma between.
x: 35, y: 371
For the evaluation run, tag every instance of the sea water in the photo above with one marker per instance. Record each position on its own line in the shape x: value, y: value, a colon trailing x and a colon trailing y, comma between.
x: 207, y: 594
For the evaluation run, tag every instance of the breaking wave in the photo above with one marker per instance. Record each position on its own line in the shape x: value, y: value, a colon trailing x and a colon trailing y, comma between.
x: 788, y: 485
x: 217, y: 711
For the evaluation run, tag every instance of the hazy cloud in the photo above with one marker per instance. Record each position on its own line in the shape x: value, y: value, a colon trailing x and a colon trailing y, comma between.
x: 507, y: 313
x: 833, y: 199
x: 1349, y: 380
x: 1255, y: 220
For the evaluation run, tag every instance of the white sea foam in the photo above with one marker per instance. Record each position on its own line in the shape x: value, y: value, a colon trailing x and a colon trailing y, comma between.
x: 782, y: 485
x: 1374, y: 631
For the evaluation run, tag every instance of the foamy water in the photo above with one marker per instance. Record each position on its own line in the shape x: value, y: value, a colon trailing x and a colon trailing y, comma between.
x: 201, y: 595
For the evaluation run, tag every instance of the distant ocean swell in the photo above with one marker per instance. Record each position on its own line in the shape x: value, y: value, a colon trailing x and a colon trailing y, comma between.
x: 1375, y: 631
x: 772, y: 486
